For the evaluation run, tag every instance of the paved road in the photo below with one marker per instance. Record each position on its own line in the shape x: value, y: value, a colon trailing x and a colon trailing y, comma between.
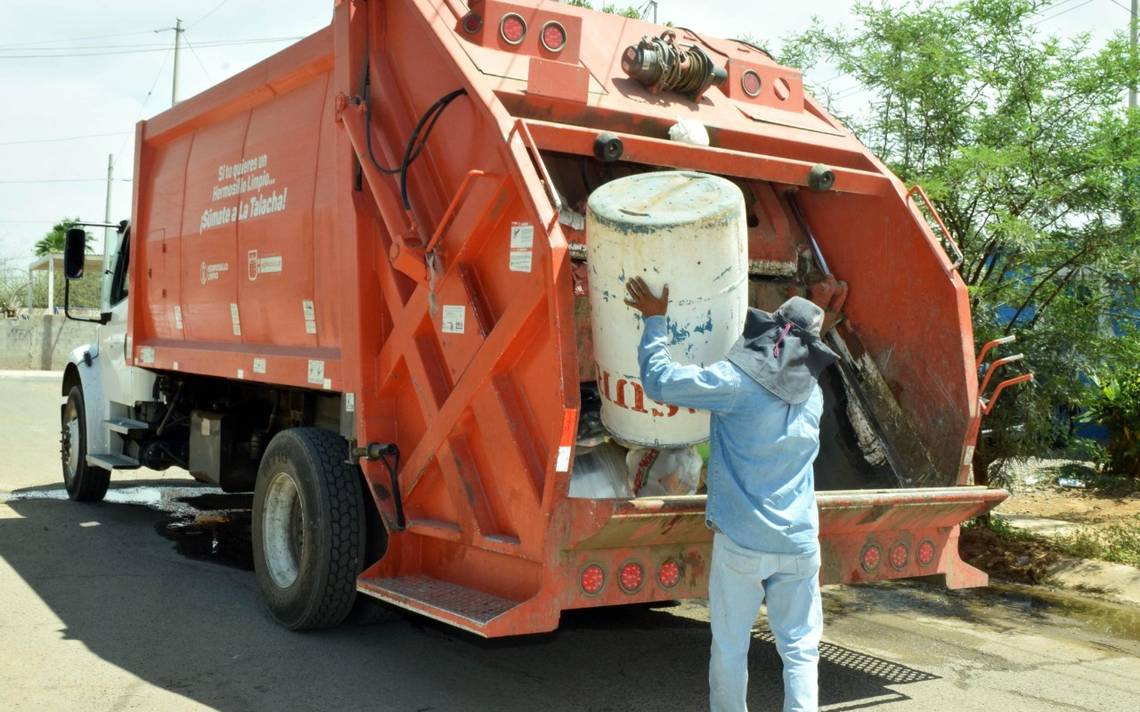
x: 121, y: 606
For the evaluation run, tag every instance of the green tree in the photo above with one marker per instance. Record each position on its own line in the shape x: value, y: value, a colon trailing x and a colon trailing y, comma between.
x: 53, y: 241
x: 611, y: 8
x: 1024, y: 144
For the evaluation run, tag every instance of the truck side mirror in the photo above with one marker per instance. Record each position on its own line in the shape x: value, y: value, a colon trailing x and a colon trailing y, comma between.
x: 74, y: 252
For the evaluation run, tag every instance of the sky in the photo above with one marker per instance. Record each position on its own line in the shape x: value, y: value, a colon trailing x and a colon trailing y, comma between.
x: 76, y: 75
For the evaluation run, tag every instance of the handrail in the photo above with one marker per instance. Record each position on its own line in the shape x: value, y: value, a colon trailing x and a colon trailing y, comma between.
x: 990, y: 345
x: 997, y: 363
x: 548, y: 183
x: 987, y: 406
x: 917, y: 189
x: 453, y: 207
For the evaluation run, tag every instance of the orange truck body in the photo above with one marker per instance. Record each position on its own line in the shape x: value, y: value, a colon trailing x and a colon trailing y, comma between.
x: 267, y: 245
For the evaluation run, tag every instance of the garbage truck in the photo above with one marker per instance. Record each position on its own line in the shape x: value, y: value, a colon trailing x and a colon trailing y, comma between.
x: 361, y: 280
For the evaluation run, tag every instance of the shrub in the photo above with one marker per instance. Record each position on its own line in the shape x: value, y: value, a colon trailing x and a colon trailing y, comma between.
x: 1115, y: 404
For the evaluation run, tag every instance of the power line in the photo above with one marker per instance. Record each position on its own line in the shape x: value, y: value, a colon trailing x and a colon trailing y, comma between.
x: 1050, y: 7
x: 1122, y: 7
x: 75, y: 39
x: 204, y: 45
x: 211, y: 12
x: 145, y: 99
x: 62, y: 139
x: 199, y: 59
x: 1063, y: 12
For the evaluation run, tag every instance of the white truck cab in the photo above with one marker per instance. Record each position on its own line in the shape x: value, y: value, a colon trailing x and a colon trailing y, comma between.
x: 100, y: 387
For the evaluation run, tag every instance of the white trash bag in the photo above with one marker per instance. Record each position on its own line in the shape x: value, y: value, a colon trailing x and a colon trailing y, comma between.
x: 660, y: 473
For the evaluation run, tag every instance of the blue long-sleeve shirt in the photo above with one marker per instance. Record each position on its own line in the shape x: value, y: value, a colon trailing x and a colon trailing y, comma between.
x: 761, y: 485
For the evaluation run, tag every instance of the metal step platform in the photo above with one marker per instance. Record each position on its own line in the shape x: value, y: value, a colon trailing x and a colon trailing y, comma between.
x: 441, y: 600
x: 127, y: 426
x: 112, y: 461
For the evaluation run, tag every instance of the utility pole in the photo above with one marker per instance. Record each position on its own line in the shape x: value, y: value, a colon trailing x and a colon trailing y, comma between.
x: 107, y: 208
x: 177, y: 47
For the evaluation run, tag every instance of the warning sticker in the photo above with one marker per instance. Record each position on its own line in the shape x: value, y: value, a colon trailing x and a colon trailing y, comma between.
x: 235, y: 319
x: 349, y: 402
x: 316, y: 371
x: 520, y: 261
x: 454, y: 316
x: 522, y: 245
x: 310, y: 313
x: 259, y: 365
x: 177, y: 317
x: 146, y: 354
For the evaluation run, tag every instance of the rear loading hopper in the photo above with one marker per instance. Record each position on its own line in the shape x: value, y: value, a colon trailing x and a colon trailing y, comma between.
x: 423, y: 288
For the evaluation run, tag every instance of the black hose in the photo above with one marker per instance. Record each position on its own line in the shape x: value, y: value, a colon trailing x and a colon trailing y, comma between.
x: 411, y: 152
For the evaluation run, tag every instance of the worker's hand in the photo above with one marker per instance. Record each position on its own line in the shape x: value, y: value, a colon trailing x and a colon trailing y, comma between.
x: 640, y: 297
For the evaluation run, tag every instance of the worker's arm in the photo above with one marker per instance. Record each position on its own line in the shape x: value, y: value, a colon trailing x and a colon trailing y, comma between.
x: 712, y: 388
x: 666, y: 381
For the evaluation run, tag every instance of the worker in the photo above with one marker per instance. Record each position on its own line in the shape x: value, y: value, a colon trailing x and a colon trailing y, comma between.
x: 766, y: 404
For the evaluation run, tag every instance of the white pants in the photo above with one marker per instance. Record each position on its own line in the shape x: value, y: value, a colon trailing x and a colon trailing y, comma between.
x: 741, y: 579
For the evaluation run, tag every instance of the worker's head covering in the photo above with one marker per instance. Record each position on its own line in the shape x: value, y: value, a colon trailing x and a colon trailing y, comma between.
x: 783, y: 350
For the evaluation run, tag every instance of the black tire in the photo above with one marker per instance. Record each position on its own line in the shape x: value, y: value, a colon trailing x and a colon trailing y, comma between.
x: 308, y: 529
x: 85, y: 483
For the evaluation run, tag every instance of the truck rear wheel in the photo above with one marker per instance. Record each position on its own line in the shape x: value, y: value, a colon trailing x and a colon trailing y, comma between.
x: 84, y: 482
x: 308, y: 529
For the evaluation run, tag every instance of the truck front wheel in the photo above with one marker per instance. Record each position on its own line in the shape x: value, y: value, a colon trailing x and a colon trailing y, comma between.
x: 308, y: 529
x: 84, y: 482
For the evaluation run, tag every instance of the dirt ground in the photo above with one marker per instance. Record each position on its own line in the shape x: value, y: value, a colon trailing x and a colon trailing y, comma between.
x: 1035, y: 492
x: 1044, y: 489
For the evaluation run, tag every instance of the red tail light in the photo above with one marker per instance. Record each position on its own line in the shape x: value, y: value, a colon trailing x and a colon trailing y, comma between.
x: 871, y: 557
x: 750, y: 83
x: 669, y: 574
x: 925, y: 553
x: 512, y: 28
x: 472, y: 21
x: 631, y: 577
x: 899, y: 555
x: 553, y: 36
x: 593, y: 579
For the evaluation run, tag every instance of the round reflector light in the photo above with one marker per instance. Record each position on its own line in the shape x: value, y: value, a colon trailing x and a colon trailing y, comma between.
x: 472, y: 21
x: 593, y: 579
x: 750, y: 83
x: 872, y: 555
x: 631, y: 577
x: 925, y: 554
x: 899, y: 555
x: 669, y: 575
x: 512, y: 28
x: 553, y: 36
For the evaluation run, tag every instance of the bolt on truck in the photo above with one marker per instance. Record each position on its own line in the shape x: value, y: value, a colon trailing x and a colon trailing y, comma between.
x: 355, y: 281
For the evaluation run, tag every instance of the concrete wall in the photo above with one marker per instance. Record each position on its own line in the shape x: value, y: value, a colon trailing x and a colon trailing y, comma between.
x: 41, y: 342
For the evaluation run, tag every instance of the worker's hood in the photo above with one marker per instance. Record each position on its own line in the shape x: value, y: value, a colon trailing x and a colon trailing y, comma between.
x: 783, y: 351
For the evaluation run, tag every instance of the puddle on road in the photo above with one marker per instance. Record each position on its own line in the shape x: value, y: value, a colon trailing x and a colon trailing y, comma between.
x: 204, y: 523
x: 999, y: 605
x: 1094, y: 615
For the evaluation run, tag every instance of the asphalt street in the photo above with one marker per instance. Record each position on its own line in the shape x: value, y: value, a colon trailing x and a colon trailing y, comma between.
x: 147, y: 601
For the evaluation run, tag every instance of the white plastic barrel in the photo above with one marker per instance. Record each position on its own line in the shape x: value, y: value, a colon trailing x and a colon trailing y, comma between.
x: 680, y: 228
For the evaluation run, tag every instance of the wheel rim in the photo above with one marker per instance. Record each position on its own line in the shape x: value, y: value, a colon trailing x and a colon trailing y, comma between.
x: 69, y: 442
x: 283, y: 530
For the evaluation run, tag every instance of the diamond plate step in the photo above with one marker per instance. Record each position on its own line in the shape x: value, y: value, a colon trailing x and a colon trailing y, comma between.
x: 433, y: 597
x: 127, y: 426
x: 111, y: 461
